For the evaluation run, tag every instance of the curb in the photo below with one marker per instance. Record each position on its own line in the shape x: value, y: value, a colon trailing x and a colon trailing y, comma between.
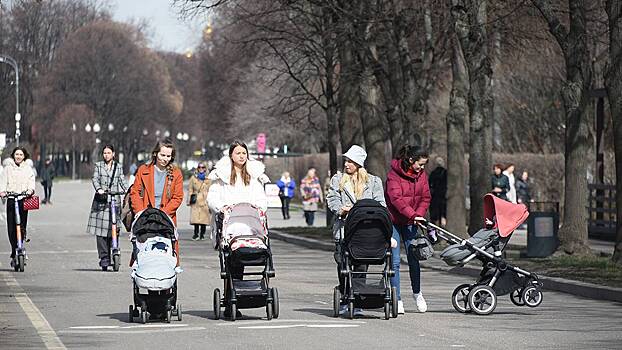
x: 583, y: 289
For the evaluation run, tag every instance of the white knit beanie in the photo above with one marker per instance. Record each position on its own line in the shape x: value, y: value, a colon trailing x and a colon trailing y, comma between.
x: 356, y: 154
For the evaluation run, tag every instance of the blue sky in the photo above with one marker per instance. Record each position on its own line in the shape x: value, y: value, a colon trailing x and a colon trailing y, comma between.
x: 169, y: 32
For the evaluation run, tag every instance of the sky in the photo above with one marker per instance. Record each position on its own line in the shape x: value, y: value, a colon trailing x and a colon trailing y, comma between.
x: 168, y: 31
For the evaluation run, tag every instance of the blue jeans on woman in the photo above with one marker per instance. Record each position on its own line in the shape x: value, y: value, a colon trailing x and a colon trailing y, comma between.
x: 406, y: 234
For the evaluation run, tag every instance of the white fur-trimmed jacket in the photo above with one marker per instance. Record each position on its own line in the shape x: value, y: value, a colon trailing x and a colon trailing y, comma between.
x: 17, y: 178
x: 222, y: 193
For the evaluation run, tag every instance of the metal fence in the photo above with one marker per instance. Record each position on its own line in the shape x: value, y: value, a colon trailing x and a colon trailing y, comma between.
x: 602, y: 211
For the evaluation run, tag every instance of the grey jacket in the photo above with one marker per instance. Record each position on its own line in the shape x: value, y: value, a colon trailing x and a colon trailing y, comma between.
x: 337, y: 198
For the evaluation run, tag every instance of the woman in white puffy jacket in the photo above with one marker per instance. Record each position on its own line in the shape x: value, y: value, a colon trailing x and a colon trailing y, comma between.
x: 237, y: 179
x: 18, y: 176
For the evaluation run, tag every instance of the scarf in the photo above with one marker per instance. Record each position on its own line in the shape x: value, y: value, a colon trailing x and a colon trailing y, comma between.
x: 201, y: 176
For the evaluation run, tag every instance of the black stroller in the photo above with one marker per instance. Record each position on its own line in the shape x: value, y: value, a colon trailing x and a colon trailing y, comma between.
x: 497, y: 277
x: 366, y: 240
x: 154, y: 273
x: 242, y: 241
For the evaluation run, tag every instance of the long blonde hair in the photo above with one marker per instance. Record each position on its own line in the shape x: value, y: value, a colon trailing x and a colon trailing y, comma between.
x: 358, y: 180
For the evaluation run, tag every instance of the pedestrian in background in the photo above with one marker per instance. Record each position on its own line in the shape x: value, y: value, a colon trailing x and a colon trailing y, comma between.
x: 522, y: 189
x: 107, y: 177
x: 47, y: 177
x: 345, y: 190
x: 311, y: 192
x: 499, y: 183
x: 438, y: 191
x: 287, y: 185
x: 18, y: 176
x: 200, y: 215
x: 132, y: 171
x: 509, y: 172
x: 408, y: 199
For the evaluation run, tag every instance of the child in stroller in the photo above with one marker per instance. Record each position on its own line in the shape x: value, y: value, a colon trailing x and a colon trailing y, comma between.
x: 497, y: 277
x: 242, y: 240
x: 366, y: 241
x: 154, y: 272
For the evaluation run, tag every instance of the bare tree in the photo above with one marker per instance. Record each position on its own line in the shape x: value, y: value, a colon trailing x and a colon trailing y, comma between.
x: 613, y: 82
x: 471, y: 17
x: 575, y: 94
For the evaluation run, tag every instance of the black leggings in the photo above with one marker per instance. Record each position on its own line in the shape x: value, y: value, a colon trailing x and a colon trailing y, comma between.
x: 10, y: 222
x: 47, y: 190
x: 285, y: 206
x: 196, y: 229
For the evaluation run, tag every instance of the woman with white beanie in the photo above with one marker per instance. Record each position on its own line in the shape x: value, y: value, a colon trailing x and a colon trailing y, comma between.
x: 345, y: 190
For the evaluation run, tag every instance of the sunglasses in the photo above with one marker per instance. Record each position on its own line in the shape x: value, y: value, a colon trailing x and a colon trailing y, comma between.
x: 201, y: 167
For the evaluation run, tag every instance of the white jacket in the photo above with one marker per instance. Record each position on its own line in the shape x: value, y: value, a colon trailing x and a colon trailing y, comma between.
x: 221, y: 193
x: 17, y: 178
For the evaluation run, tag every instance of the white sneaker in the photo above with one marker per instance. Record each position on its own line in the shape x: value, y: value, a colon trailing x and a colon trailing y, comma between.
x: 358, y: 311
x: 343, y: 309
x: 421, y: 304
x: 400, y: 307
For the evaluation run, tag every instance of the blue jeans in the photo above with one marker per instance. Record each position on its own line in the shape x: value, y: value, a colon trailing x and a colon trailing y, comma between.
x: 407, y: 234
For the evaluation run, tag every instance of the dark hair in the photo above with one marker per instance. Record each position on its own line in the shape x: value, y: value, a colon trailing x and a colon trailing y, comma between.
x: 246, y: 177
x: 26, y: 154
x: 109, y: 146
x: 409, y: 154
x: 509, y: 165
x: 498, y: 165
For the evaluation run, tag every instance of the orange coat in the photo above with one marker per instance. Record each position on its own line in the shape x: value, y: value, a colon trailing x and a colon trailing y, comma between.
x: 169, y: 204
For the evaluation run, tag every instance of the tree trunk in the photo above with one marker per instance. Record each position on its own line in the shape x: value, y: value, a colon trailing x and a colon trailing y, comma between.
x: 573, y: 233
x: 350, y: 128
x: 374, y: 126
x: 613, y: 83
x: 458, y: 112
x: 470, y: 27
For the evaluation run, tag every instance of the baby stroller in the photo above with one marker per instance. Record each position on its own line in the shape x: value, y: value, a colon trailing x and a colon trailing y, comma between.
x: 497, y: 276
x: 366, y: 240
x: 242, y: 238
x: 153, y: 274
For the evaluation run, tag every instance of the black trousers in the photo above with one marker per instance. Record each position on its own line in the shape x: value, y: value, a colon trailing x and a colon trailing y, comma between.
x: 47, y: 190
x: 10, y: 222
x: 202, y: 227
x: 309, y: 217
x: 104, y: 244
x: 285, y: 206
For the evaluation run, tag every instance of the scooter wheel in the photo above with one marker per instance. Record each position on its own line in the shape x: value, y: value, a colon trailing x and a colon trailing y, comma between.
x: 20, y: 263
x: 116, y: 262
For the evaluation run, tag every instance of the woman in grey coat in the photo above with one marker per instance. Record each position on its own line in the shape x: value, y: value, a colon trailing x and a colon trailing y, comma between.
x: 107, y: 176
x: 345, y: 190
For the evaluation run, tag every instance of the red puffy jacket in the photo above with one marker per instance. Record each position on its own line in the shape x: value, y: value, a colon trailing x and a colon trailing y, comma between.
x: 407, y: 196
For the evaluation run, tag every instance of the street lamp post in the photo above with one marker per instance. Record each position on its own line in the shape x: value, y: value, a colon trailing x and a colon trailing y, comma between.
x: 10, y: 61
x: 73, y: 151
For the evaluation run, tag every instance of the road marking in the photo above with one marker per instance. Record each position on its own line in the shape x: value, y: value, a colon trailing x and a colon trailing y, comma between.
x: 45, y: 331
x: 332, y: 325
x: 130, y: 331
x: 303, y: 322
x: 321, y: 302
x: 302, y: 326
x: 457, y: 346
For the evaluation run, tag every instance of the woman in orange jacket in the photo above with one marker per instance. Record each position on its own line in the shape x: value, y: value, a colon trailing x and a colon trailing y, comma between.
x: 159, y: 184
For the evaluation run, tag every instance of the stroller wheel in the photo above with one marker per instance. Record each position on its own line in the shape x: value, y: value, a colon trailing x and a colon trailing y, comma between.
x: 169, y: 315
x: 178, y: 312
x: 143, y: 316
x: 351, y: 310
x: 216, y: 304
x: 336, y: 301
x: 131, y: 318
x: 269, y: 310
x: 394, y: 302
x: 275, y: 303
x: 460, y: 298
x: 387, y: 310
x: 516, y: 296
x: 482, y: 300
x: 234, y: 311
x: 532, y: 296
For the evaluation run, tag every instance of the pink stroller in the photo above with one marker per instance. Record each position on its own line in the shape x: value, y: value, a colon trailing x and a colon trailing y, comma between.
x: 497, y: 276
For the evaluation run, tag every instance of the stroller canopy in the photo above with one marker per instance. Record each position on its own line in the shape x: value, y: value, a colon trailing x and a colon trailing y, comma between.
x: 508, y: 215
x: 246, y: 216
x: 153, y: 222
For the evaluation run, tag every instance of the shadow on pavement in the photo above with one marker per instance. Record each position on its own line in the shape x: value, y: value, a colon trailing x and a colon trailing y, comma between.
x: 119, y: 316
x: 200, y: 313
x: 321, y: 312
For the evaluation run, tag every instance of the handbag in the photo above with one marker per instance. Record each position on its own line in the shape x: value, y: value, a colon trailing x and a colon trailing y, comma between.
x: 31, y: 203
x: 102, y: 198
x: 422, y: 248
x: 193, y: 198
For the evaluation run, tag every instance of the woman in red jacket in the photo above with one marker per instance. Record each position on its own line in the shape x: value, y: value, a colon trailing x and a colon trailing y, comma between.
x: 408, y: 198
